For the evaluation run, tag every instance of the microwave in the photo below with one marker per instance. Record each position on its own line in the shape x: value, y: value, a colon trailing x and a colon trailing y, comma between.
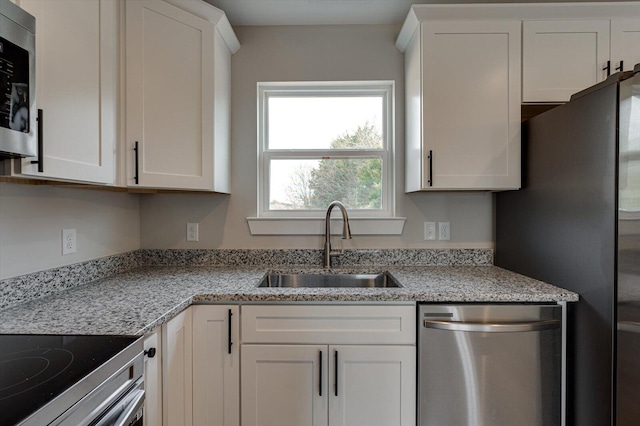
x: 18, y: 115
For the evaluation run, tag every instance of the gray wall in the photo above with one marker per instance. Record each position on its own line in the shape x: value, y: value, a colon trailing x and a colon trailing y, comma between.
x: 312, y: 53
x: 32, y: 219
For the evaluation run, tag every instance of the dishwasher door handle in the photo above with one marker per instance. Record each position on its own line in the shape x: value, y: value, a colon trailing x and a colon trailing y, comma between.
x: 506, y: 327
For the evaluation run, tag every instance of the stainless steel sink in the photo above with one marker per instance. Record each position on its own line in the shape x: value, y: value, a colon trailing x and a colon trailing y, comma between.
x: 381, y: 280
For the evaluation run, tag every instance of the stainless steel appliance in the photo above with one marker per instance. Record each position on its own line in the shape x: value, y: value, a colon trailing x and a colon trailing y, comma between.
x: 489, y: 365
x: 71, y: 380
x: 576, y: 224
x: 18, y: 128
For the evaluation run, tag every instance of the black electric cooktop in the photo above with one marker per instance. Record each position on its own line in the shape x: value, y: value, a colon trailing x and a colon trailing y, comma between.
x: 35, y: 369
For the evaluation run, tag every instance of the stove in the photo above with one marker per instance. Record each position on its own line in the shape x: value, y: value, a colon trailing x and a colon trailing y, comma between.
x: 42, y: 376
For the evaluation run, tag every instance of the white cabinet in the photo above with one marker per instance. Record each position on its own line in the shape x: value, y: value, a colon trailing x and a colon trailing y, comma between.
x: 285, y: 385
x: 153, y: 379
x: 216, y: 365
x: 76, y: 87
x: 561, y: 58
x: 463, y: 106
x: 322, y: 380
x: 625, y: 43
x: 177, y: 377
x: 177, y: 98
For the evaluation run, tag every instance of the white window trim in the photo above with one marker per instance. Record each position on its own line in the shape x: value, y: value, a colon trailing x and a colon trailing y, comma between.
x: 364, y: 88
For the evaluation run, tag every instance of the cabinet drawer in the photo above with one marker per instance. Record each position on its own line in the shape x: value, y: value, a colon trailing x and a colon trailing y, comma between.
x: 329, y: 324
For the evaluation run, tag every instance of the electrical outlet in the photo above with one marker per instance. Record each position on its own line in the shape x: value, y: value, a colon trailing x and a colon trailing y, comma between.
x: 192, y: 232
x: 69, y: 241
x: 429, y: 231
x: 444, y: 232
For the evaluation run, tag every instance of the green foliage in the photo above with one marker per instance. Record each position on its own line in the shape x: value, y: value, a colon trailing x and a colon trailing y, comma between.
x: 355, y: 182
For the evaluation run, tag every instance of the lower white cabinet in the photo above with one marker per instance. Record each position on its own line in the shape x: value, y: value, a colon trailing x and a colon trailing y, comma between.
x: 216, y: 365
x: 319, y: 385
x: 153, y: 378
x: 177, y: 371
x: 328, y: 365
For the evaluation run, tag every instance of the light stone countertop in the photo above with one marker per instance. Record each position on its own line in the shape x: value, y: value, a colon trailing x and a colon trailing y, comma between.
x: 135, y: 302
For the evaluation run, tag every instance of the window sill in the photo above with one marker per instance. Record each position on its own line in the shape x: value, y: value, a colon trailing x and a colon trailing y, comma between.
x: 315, y: 226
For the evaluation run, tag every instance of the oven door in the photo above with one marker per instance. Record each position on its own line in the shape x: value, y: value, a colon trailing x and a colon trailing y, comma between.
x: 18, y: 129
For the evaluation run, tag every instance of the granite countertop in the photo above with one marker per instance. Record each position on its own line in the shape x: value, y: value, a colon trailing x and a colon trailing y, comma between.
x: 135, y: 302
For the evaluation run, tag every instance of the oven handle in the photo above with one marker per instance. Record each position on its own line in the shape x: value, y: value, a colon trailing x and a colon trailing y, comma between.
x: 134, y: 402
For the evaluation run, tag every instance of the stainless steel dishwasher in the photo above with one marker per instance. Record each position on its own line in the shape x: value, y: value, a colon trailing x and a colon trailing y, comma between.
x: 489, y: 365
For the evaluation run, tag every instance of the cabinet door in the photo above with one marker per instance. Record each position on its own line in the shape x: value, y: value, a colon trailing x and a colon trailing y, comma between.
x: 216, y: 363
x: 471, y: 105
x: 284, y: 385
x: 376, y: 386
x: 169, y: 74
x: 76, y: 75
x: 153, y: 380
x: 177, y: 372
x: 561, y: 58
x: 625, y: 43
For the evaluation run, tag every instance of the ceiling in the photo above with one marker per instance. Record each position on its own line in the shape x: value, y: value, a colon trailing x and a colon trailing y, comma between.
x: 330, y: 12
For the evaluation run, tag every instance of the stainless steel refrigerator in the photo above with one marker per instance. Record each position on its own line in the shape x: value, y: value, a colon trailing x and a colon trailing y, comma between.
x: 576, y: 224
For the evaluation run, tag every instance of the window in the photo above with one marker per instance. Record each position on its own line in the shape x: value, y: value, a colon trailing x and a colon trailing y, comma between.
x: 320, y: 142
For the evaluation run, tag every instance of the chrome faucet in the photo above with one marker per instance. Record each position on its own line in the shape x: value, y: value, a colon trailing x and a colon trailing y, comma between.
x: 346, y: 232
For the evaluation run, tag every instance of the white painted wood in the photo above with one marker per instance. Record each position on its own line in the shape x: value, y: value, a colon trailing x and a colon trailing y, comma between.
x: 222, y: 116
x: 625, y: 42
x: 561, y: 58
x: 315, y: 226
x: 177, y: 372
x: 76, y: 86
x: 413, y: 113
x: 376, y: 386
x: 280, y: 385
x: 471, y: 105
x: 329, y: 324
x: 216, y: 378
x: 169, y: 105
x: 153, y: 380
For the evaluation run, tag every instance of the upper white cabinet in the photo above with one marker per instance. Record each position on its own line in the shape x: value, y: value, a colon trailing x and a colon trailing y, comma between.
x: 76, y: 87
x: 561, y: 58
x: 625, y: 43
x: 463, y: 106
x: 178, y: 71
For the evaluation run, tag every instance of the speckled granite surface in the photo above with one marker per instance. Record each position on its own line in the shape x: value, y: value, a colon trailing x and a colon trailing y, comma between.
x: 14, y: 291
x: 137, y: 301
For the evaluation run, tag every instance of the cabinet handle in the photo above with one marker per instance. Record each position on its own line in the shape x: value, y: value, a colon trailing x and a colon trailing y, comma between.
x: 320, y: 372
x: 230, y: 342
x: 335, y: 372
x: 430, y: 168
x: 607, y: 68
x: 151, y: 352
x: 136, y: 177
x: 621, y: 67
x: 40, y: 161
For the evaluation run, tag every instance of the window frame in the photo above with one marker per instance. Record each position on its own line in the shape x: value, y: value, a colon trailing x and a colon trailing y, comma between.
x: 386, y: 89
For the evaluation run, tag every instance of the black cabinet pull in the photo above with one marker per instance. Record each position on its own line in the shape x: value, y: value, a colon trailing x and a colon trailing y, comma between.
x: 430, y: 168
x: 230, y: 342
x: 607, y: 68
x: 136, y: 178
x: 40, y: 161
x: 320, y: 372
x: 151, y: 352
x: 621, y: 67
x: 335, y: 372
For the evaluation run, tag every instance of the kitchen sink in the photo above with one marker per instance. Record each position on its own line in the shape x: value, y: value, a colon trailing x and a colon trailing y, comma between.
x: 380, y: 280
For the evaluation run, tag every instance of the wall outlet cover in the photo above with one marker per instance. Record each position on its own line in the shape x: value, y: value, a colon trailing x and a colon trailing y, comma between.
x: 192, y: 232
x: 429, y: 231
x: 69, y: 241
x: 444, y: 231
